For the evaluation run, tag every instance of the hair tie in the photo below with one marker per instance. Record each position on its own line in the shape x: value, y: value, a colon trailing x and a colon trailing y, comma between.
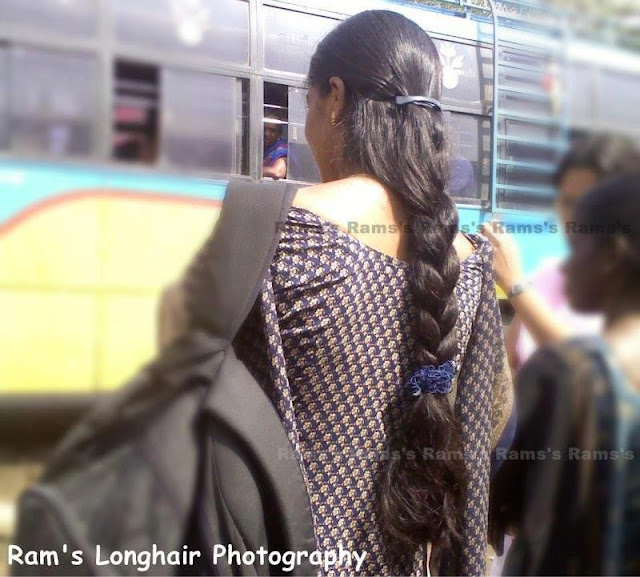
x: 431, y: 379
x: 423, y: 101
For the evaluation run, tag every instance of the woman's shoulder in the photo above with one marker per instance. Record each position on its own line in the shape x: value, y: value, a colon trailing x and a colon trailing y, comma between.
x: 464, y: 246
x: 564, y: 350
x: 315, y: 198
x: 351, y: 203
x: 476, y: 246
x: 342, y: 201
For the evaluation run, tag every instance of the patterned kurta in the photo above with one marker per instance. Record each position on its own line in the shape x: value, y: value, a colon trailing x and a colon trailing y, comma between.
x: 330, y: 340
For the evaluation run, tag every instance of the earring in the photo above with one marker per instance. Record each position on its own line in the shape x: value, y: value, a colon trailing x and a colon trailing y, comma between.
x: 333, y: 118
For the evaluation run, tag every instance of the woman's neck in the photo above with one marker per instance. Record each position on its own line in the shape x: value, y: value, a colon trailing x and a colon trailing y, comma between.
x: 622, y: 332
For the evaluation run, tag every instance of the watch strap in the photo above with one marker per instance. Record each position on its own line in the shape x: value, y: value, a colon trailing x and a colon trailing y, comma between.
x: 519, y: 288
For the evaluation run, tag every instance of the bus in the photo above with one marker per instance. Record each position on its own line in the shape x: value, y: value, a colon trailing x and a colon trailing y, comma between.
x: 121, y: 122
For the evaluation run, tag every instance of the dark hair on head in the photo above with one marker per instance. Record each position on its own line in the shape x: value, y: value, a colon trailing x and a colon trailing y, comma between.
x: 612, y: 208
x: 604, y: 154
x: 380, y: 55
x: 274, y: 116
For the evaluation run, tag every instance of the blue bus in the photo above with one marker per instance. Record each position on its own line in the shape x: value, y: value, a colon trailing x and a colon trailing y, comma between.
x: 122, y: 120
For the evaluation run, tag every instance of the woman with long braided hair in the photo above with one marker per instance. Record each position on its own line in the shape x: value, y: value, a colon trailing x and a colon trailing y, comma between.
x: 378, y: 336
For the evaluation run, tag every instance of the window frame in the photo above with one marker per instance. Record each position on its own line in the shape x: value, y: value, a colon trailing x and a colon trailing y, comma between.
x: 108, y: 50
x: 177, y: 57
x: 92, y: 62
x: 478, y: 201
x: 164, y: 161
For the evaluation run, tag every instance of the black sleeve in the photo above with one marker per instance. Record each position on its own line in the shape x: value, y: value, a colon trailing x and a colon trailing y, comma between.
x: 534, y: 494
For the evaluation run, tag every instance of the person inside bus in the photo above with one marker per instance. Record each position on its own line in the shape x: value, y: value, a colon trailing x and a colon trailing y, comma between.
x: 276, y: 150
x: 462, y: 178
x: 543, y: 313
x: 575, y: 511
x: 385, y: 358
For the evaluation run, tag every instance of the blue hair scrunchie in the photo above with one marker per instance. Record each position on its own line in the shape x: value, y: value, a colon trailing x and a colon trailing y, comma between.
x: 431, y: 379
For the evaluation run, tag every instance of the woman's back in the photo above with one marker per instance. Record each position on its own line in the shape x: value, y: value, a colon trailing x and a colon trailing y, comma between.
x: 366, y: 210
x: 338, y: 313
x: 330, y: 341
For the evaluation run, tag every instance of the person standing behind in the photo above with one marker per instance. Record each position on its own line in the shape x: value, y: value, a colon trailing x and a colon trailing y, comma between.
x: 575, y: 509
x: 276, y: 150
x: 543, y: 313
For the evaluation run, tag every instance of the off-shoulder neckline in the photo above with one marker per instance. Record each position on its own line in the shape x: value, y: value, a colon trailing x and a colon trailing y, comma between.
x: 472, y: 238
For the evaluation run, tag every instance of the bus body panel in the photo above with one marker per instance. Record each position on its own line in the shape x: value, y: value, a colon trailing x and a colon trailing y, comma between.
x: 86, y: 250
x: 85, y: 254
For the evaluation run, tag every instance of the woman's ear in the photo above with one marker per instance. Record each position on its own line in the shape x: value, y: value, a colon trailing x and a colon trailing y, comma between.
x: 622, y: 252
x: 612, y: 257
x: 336, y: 95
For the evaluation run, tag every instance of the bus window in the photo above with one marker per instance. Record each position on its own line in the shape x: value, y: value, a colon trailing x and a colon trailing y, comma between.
x: 581, y: 94
x: 302, y: 166
x: 135, y: 113
x: 52, y: 102
x: 466, y: 75
x: 527, y: 152
x: 291, y: 38
x: 618, y: 100
x: 338, y: 6
x: 524, y: 79
x: 65, y: 18
x: 212, y: 29
x: 530, y: 158
x: 242, y: 126
x: 531, y: 105
x: 198, y: 120
x: 524, y: 129
x: 275, y: 157
x: 538, y: 89
x: 469, y: 174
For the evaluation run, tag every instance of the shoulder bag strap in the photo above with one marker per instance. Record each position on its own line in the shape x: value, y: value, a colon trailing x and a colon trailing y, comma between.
x: 225, y: 278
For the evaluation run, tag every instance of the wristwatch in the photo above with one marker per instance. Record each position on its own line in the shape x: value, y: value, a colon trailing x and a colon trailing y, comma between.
x: 518, y: 288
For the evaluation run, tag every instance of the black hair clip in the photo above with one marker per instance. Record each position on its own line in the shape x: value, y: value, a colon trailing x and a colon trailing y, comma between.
x: 419, y: 101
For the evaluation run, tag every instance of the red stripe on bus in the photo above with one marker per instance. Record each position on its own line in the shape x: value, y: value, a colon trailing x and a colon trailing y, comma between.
x: 47, y: 203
